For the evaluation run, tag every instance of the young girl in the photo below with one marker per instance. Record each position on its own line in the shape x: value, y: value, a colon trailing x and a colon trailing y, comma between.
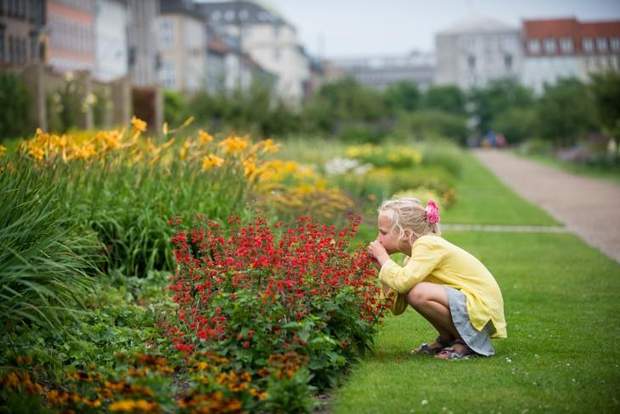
x: 448, y: 286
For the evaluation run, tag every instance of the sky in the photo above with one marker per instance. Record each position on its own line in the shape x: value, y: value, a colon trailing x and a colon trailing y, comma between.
x: 350, y: 28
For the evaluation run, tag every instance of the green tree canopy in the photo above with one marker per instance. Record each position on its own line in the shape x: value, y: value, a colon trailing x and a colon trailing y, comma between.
x: 566, y: 111
x: 498, y: 96
x: 606, y: 94
x: 402, y: 95
x: 445, y: 98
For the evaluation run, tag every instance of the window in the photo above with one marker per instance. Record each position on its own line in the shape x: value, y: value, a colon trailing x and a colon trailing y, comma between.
x: 534, y: 46
x: 601, y: 44
x: 230, y: 15
x: 614, y: 43
x: 276, y: 54
x: 550, y: 46
x: 471, y: 62
x: 166, y: 34
x: 2, y: 50
x: 216, y: 15
x: 11, y: 50
x: 588, y: 45
x: 508, y: 62
x: 566, y: 45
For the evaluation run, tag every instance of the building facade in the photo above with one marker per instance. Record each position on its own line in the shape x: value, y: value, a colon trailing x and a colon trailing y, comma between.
x: 183, y: 46
x: 143, y: 49
x: 565, y: 48
x: 22, y: 32
x: 268, y: 39
x: 382, y: 71
x: 478, y: 50
x: 71, y: 28
x: 111, y: 25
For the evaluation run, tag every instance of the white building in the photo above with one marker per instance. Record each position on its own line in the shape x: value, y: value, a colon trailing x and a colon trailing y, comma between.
x: 269, y: 40
x: 111, y: 18
x: 477, y: 50
x: 183, y: 47
x: 142, y: 40
x: 565, y: 48
x: 381, y: 71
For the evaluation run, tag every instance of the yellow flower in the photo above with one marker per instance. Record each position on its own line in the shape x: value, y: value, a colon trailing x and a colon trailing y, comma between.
x: 37, y: 153
x: 2, y: 150
x: 204, y: 137
x: 232, y: 145
x: 268, y: 146
x: 130, y: 405
x: 211, y: 161
x: 184, y: 150
x: 138, y: 124
x: 249, y: 167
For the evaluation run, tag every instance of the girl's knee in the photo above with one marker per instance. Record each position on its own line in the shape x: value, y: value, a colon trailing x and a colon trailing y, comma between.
x: 419, y: 294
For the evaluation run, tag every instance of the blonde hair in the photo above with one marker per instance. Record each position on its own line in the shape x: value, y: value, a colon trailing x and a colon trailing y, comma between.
x: 408, y: 213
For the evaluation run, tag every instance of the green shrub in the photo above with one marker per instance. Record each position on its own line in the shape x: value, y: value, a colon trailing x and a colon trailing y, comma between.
x: 423, y: 125
x: 15, y: 101
x: 45, y: 260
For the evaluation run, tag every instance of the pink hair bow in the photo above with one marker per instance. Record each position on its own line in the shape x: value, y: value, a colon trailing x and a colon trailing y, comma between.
x: 432, y: 212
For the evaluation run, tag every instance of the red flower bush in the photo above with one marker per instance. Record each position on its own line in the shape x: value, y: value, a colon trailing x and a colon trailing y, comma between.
x: 252, y: 292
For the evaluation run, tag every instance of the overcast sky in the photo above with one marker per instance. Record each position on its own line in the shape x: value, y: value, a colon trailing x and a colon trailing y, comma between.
x: 345, y: 28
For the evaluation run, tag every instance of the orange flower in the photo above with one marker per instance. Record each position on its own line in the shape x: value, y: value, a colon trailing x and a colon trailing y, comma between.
x: 211, y: 161
x: 138, y: 124
x: 204, y: 137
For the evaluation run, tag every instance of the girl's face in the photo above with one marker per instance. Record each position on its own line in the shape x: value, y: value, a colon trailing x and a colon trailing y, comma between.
x: 389, y: 236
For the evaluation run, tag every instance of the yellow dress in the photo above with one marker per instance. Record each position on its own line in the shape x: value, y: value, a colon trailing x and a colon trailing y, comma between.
x: 436, y: 260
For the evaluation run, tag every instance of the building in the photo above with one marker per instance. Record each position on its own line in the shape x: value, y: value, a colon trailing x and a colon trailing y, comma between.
x: 22, y: 32
x: 477, y: 50
x: 564, y: 48
x: 111, y: 53
x: 183, y: 46
x: 143, y: 53
x: 382, y: 71
x: 267, y: 38
x: 71, y: 28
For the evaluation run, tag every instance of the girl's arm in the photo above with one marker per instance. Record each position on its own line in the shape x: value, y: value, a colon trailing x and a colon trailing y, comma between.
x: 424, y: 259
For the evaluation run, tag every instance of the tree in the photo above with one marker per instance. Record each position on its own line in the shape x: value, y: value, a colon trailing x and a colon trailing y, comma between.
x: 517, y: 124
x: 566, y: 112
x: 498, y: 96
x: 423, y: 125
x: 15, y: 103
x: 402, y: 95
x: 445, y: 98
x: 605, y: 89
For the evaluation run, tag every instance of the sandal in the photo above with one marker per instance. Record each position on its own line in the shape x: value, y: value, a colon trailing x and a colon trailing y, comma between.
x: 426, y: 349
x: 451, y: 353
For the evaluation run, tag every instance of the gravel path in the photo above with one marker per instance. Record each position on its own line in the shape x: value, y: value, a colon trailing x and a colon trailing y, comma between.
x: 586, y: 206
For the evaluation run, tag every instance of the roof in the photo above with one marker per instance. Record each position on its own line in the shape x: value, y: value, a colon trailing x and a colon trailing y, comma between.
x: 477, y: 24
x: 241, y: 11
x: 566, y: 27
x: 185, y: 7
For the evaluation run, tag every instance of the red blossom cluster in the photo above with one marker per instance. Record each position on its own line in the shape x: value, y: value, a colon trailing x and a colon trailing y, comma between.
x: 294, y: 267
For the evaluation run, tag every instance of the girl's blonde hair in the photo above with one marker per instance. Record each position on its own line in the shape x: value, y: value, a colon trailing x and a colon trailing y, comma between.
x: 408, y: 213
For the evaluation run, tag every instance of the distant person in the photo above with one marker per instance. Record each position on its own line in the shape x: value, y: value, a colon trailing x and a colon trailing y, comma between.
x: 445, y: 284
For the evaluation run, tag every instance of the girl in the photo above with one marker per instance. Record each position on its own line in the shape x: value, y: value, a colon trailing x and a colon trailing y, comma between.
x: 449, y: 287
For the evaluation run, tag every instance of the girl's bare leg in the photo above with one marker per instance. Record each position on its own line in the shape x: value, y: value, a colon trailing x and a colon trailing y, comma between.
x: 431, y: 301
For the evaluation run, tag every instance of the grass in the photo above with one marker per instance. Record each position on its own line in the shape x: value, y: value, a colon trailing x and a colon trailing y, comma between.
x: 609, y: 173
x: 561, y: 306
x: 561, y: 353
x: 483, y: 199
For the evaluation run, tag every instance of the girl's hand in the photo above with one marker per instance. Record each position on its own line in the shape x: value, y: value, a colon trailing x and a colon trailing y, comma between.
x: 377, y: 250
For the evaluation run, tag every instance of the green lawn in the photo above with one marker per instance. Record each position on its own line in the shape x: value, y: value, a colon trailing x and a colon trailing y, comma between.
x: 561, y: 302
x: 483, y: 199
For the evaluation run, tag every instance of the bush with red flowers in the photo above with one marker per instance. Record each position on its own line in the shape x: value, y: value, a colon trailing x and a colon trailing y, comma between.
x: 254, y: 291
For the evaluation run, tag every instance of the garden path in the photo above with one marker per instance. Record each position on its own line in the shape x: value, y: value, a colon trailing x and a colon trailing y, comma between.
x: 588, y: 207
